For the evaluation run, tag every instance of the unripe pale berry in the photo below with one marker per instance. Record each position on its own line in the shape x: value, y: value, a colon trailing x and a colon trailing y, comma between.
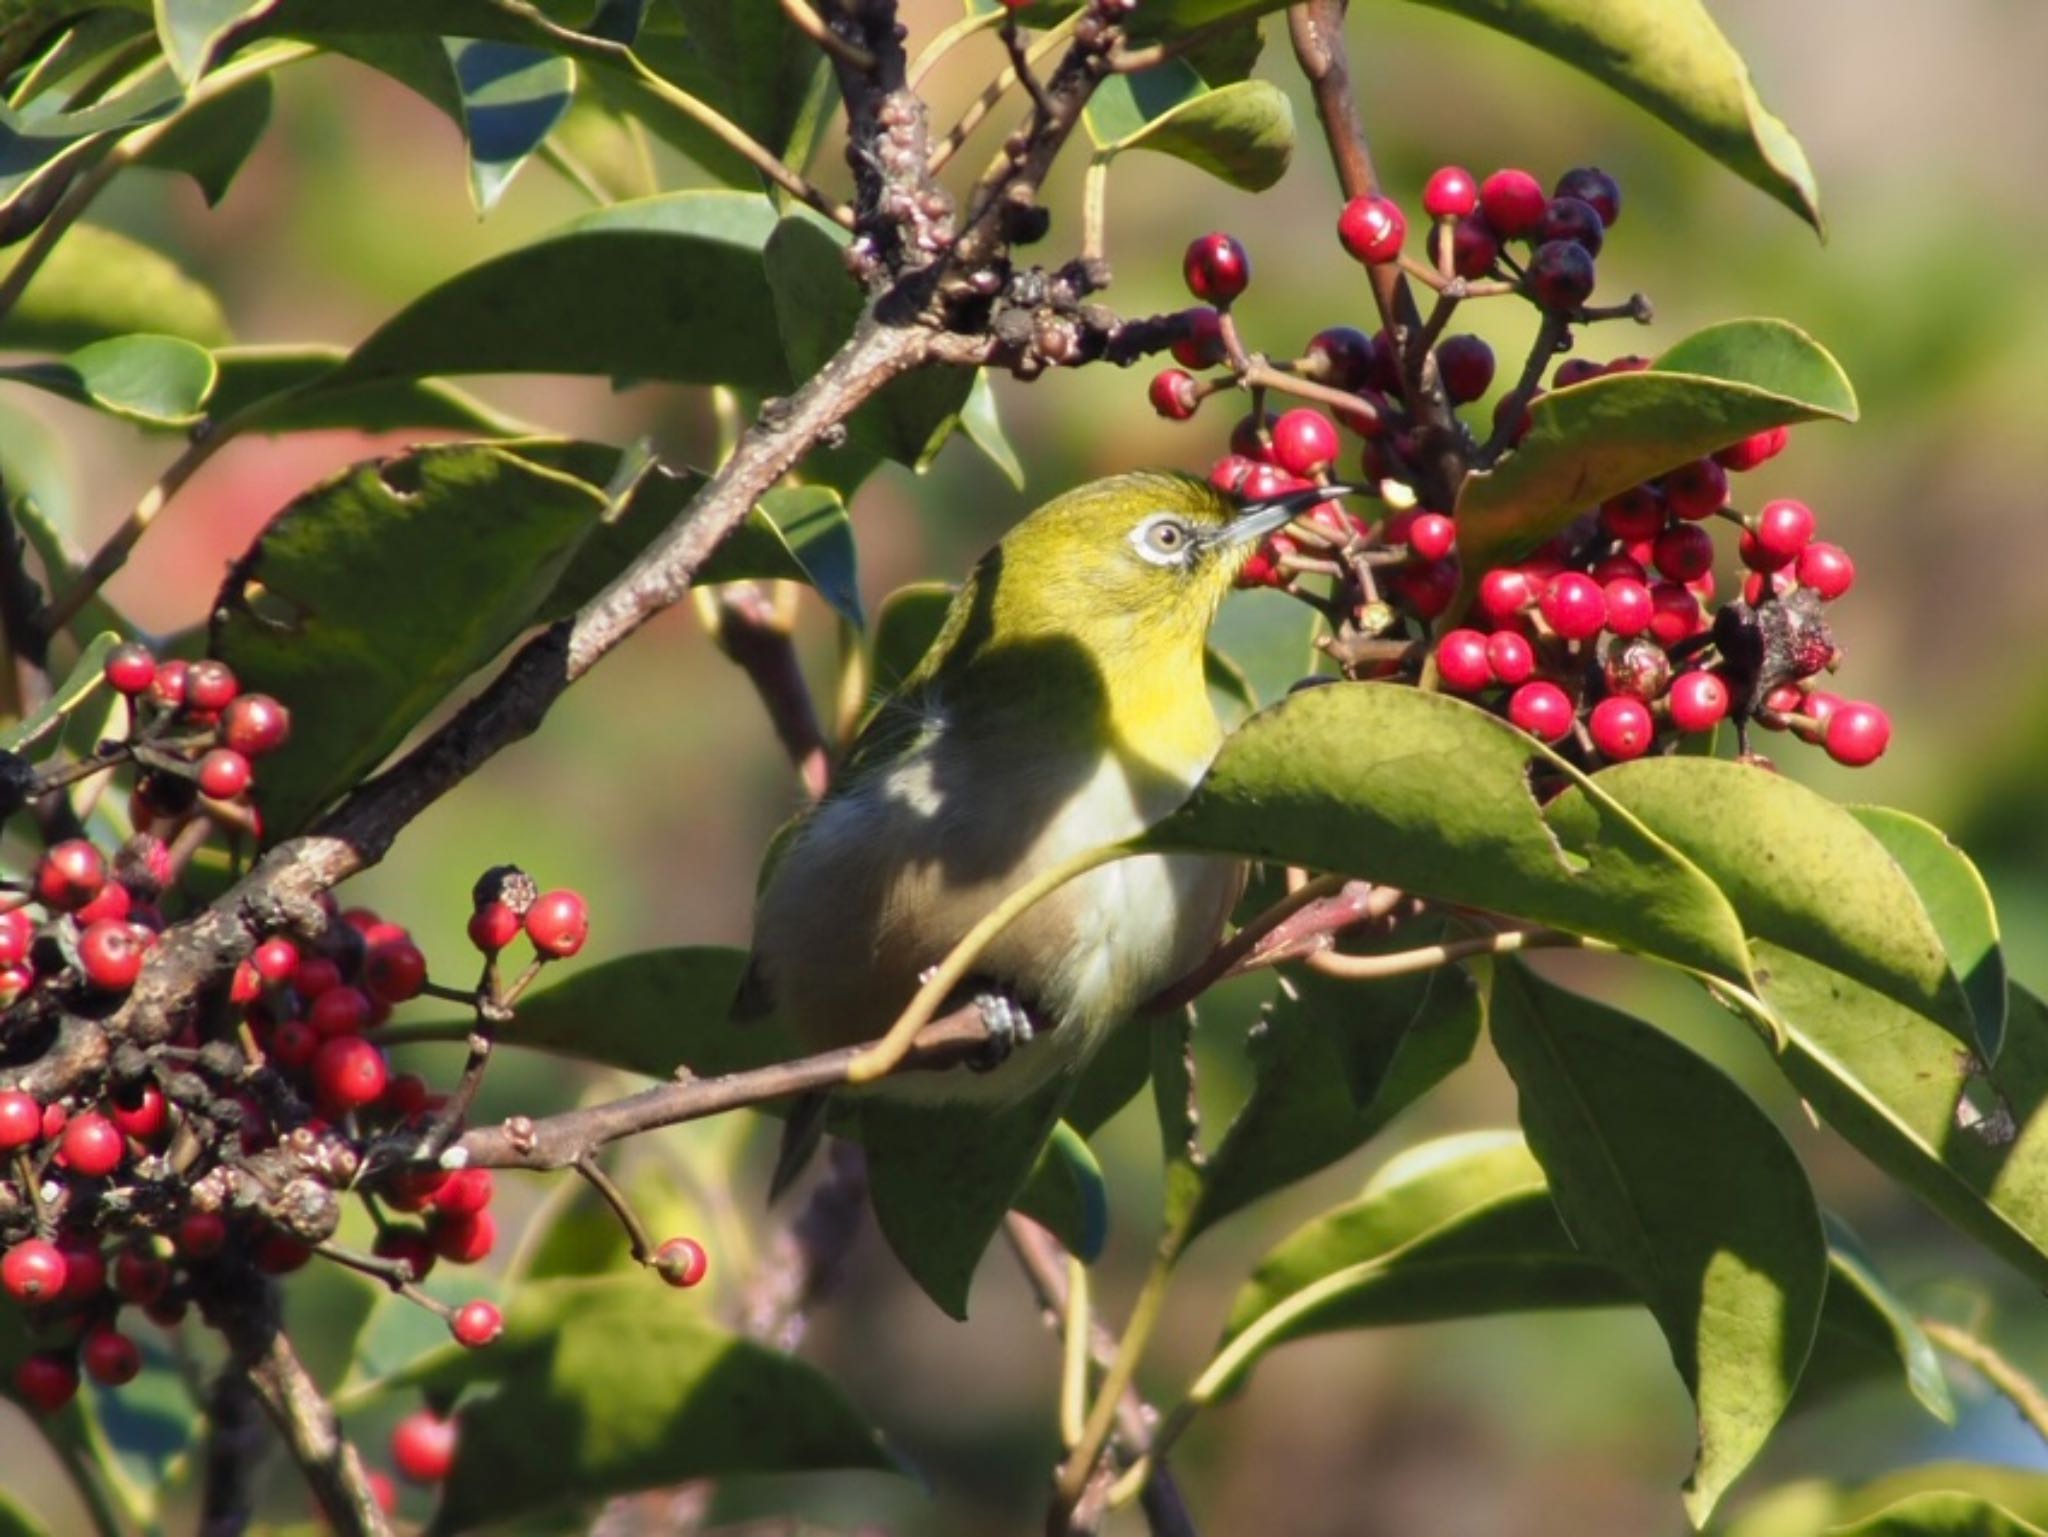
x: 1511, y: 657
x: 1513, y: 202
x: 1573, y: 605
x: 1541, y: 709
x: 1698, y: 701
x: 1857, y: 734
x: 1826, y: 568
x: 1451, y: 193
x: 1304, y: 442
x: 1461, y: 661
x: 423, y: 1447
x: 91, y: 1145
x: 1466, y: 364
x: 558, y: 923
x: 682, y: 1262
x: 1621, y: 727
x: 1216, y: 268
x: 476, y: 1324
x: 1372, y: 229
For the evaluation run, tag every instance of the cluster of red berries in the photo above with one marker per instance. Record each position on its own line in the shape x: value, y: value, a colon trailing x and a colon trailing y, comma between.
x: 1605, y: 640
x: 204, y: 733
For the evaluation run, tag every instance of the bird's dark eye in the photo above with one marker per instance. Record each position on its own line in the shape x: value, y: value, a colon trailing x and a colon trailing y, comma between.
x: 1163, y: 540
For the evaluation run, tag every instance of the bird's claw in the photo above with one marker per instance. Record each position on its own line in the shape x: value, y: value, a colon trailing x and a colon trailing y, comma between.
x: 1009, y: 1026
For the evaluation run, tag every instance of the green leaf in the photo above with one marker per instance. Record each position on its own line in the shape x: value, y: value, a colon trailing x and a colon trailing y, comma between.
x: 628, y: 1386
x: 42, y: 150
x: 1866, y: 1330
x: 1940, y: 1514
x: 1332, y: 1063
x: 1952, y: 1499
x: 1594, y: 440
x: 347, y: 605
x: 812, y: 522
x: 158, y: 380
x: 512, y: 97
x: 1669, y: 58
x: 817, y: 303
x: 98, y: 284
x: 943, y: 1174
x: 666, y: 287
x: 1228, y: 681
x: 906, y: 624
x: 190, y: 30
x: 580, y: 1234
x: 1959, y: 902
x: 984, y: 429
x: 62, y: 566
x: 1432, y: 795
x: 1067, y: 1195
x: 17, y: 1520
x: 210, y: 142
x: 326, y: 1310
x: 1727, y: 1252
x: 1800, y: 872
x: 1242, y: 134
x: 282, y: 380
x: 36, y: 734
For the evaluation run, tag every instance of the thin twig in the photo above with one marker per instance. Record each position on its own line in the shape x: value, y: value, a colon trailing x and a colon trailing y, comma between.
x: 945, y: 42
x: 2024, y: 1393
x: 819, y: 31
x: 1361, y: 968
x: 636, y: 1230
x: 992, y: 94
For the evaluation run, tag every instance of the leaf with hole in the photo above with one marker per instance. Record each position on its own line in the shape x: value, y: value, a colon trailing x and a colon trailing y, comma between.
x: 1594, y: 440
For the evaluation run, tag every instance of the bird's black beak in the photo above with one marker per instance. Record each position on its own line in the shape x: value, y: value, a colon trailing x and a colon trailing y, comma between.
x: 1272, y: 513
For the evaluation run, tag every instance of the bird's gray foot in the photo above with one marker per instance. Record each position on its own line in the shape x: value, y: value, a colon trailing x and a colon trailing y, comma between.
x: 1009, y: 1026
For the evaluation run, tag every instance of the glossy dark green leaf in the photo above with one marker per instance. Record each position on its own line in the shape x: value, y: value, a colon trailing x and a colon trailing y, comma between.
x: 1114, y: 1076
x: 1867, y: 1330
x: 1242, y: 134
x: 628, y: 1385
x: 1799, y: 870
x: 36, y: 733
x: 1959, y: 902
x: 812, y: 522
x: 1332, y: 1063
x: 42, y: 150
x: 1358, y: 778
x: 211, y: 141
x: 942, y: 1176
x: 1229, y: 684
x: 1727, y: 1252
x: 191, y: 30
x: 984, y: 429
x: 98, y: 284
x: 667, y: 287
x: 816, y: 305
x: 1593, y: 440
x: 1669, y: 58
x: 346, y: 607
x: 277, y: 385
x: 1067, y: 1195
x: 512, y: 97
x: 160, y: 381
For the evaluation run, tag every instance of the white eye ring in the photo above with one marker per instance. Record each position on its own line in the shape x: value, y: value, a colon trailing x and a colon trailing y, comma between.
x: 1163, y: 539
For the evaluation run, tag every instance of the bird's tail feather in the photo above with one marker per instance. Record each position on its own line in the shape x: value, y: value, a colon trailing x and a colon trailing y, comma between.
x: 801, y: 1133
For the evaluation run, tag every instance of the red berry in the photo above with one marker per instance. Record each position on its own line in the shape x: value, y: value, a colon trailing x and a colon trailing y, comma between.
x: 168, y: 688
x: 1696, y: 490
x: 1372, y: 229
x: 281, y: 1254
x: 85, y: 1270
x: 1574, y: 606
x: 130, y: 669
x: 348, y: 1072
x: 1783, y: 529
x: 464, y: 1192
x: 1506, y: 591
x: 15, y: 980
x: 1629, y: 607
x: 1758, y: 448
x: 1174, y: 394
x: 293, y: 1044
x: 140, y: 1275
x: 70, y: 875
x: 1617, y: 567
x: 1216, y: 269
x: 1637, y: 513
x: 407, y: 1096
x: 476, y: 1324
x: 54, y: 1119
x: 1465, y: 364
x: 1510, y: 656
x: 1428, y: 589
x: 423, y: 1447
x: 166, y: 1312
x: 1475, y: 247
x: 1560, y: 276
x: 1461, y: 661
x: 317, y: 974
x: 1594, y: 186
x: 141, y: 1113
x: 1575, y: 371
x: 1346, y: 354
x: 21, y: 1120
x: 382, y: 1490
x: 682, y: 1262
x: 33, y: 1271
x: 1513, y: 202
x: 223, y: 774
x: 1857, y: 734
x: 114, y: 902
x: 201, y: 1234
x: 1541, y: 709
x: 17, y: 933
x: 1826, y: 568
x: 275, y: 960
x: 407, y: 1245
x: 1621, y: 727
x: 1573, y: 219
x: 1678, y: 613
x: 395, y: 971
x: 1304, y: 442
x: 559, y: 922
x: 340, y: 1011
x: 110, y: 1357
x: 46, y: 1382
x: 255, y: 724
x: 1698, y: 701
x: 1432, y: 536
x: 92, y: 1146
x: 463, y: 1240
x: 210, y: 685
x: 1201, y: 345
x: 1684, y: 552
x: 1451, y: 193
x: 110, y: 954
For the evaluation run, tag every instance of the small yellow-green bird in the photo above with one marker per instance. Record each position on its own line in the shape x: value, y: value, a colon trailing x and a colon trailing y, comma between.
x: 1063, y: 706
